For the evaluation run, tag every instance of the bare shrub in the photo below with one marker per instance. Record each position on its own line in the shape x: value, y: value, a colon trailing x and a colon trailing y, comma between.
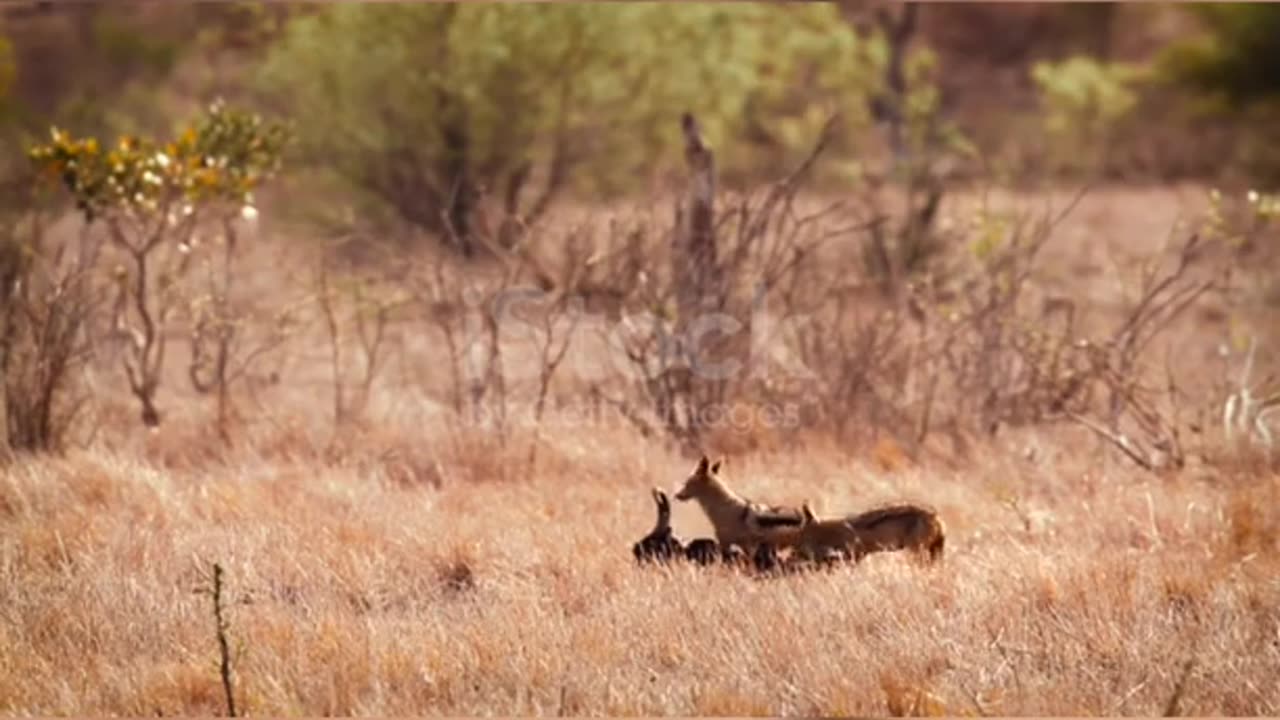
x: 762, y: 303
x: 466, y: 314
x: 360, y: 309
x: 724, y: 264
x: 978, y: 346
x: 228, y: 335
x: 1245, y: 391
x: 46, y: 302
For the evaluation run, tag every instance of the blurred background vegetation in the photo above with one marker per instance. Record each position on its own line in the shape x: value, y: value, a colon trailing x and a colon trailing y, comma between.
x: 459, y: 126
x: 413, y: 115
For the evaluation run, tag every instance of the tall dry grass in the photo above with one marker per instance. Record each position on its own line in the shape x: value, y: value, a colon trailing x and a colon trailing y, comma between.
x: 408, y: 562
x: 1071, y: 586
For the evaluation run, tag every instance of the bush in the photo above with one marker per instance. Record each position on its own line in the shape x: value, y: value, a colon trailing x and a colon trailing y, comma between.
x: 1083, y: 100
x: 152, y: 198
x: 1235, y: 60
x: 428, y: 108
x: 45, y: 304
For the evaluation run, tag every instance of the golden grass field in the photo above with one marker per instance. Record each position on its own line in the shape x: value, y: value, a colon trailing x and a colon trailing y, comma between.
x: 414, y: 565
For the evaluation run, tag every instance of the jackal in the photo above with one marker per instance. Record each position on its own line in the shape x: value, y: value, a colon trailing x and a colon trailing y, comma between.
x: 893, y: 527
x: 768, y: 563
x: 765, y: 558
x: 705, y: 551
x: 737, y: 520
x: 660, y: 544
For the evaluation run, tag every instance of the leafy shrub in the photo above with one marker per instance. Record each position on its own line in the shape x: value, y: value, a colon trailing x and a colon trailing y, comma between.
x: 152, y: 197
x: 1083, y: 100
x: 222, y: 158
x: 429, y: 107
x: 1236, y: 58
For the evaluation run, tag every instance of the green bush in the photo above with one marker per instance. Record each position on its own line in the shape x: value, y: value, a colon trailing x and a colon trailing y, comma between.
x: 1082, y: 101
x: 424, y: 106
x: 1236, y: 59
x: 224, y: 157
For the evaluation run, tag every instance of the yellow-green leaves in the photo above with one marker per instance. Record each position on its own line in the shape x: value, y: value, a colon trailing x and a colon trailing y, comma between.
x: 1265, y: 206
x: 1083, y: 93
x: 1082, y: 100
x: 991, y: 230
x: 223, y: 156
x: 607, y: 80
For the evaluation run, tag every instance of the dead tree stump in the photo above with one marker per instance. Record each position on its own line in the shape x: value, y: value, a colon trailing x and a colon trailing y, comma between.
x: 700, y: 291
x: 696, y: 265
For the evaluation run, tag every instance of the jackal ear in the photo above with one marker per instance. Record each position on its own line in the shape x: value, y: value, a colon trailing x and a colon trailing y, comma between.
x: 807, y: 512
x: 716, y: 468
x: 702, y: 464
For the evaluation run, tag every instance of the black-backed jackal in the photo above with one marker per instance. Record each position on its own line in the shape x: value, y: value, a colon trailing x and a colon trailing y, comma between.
x: 892, y: 527
x: 660, y: 544
x: 735, y: 519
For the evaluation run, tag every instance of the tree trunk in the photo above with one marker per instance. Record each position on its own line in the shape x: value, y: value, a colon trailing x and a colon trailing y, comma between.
x: 461, y: 196
x: 696, y: 267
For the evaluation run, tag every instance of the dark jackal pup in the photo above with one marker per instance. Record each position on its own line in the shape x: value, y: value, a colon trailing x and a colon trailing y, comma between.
x: 705, y: 551
x: 767, y: 562
x: 893, y: 527
x: 660, y: 544
x: 738, y: 520
x: 765, y: 558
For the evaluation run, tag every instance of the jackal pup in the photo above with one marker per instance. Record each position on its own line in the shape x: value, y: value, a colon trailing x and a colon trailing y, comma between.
x: 660, y: 544
x: 893, y: 527
x: 767, y: 563
x: 705, y: 551
x: 737, y: 520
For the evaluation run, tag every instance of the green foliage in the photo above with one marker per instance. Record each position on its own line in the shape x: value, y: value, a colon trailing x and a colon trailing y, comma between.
x: 929, y: 134
x: 152, y: 197
x: 403, y: 100
x: 221, y: 157
x: 1083, y: 100
x: 1083, y: 95
x: 1236, y: 60
x: 1265, y: 206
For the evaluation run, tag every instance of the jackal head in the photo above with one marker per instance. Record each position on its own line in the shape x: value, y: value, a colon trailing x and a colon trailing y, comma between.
x: 702, y: 476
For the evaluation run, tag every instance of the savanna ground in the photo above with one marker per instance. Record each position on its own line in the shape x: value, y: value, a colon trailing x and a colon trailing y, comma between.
x: 408, y: 562
x: 421, y: 507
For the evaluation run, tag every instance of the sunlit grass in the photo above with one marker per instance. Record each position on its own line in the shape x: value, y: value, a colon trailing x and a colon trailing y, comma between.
x: 352, y: 593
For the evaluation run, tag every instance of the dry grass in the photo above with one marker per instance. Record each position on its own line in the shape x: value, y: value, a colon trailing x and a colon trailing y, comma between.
x: 413, y: 565
x: 353, y: 593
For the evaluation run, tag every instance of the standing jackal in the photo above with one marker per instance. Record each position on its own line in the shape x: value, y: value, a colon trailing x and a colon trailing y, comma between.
x: 893, y: 527
x: 737, y: 520
x: 660, y: 544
